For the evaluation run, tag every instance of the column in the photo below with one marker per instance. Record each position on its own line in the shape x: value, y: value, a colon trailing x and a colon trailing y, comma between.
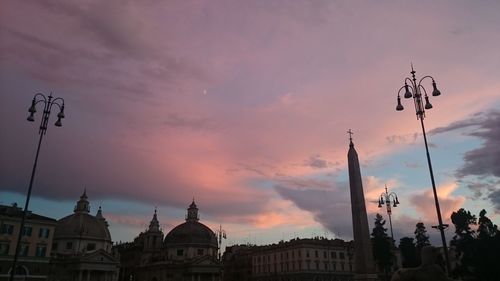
x: 80, y: 275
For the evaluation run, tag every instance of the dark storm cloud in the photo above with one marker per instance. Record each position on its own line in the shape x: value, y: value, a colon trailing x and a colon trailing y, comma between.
x: 481, y: 168
x: 107, y: 23
x: 495, y: 199
x: 474, y: 120
x: 485, y: 160
x: 99, y: 39
x: 330, y: 207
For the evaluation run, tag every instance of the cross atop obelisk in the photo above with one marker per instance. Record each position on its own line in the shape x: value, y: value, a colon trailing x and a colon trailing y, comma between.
x: 350, y: 132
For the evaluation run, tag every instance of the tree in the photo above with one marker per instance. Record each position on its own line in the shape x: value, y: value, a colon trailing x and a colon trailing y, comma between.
x: 421, y: 236
x: 408, y: 252
x: 486, y: 228
x: 488, y: 247
x: 464, y: 243
x: 382, y: 246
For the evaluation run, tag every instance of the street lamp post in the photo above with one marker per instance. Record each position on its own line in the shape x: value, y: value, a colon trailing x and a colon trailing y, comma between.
x: 414, y: 90
x: 388, y: 198
x: 48, y: 102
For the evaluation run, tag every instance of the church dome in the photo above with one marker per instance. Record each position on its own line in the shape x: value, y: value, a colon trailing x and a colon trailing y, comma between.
x: 82, y: 225
x: 191, y: 232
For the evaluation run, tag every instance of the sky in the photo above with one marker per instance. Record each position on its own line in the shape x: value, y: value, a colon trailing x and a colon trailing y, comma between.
x: 245, y: 106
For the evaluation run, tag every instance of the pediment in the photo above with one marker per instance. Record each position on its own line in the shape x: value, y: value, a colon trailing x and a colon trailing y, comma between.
x: 99, y: 256
x: 205, y: 260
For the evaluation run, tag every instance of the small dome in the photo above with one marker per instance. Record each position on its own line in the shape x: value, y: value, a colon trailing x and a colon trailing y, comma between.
x: 82, y: 225
x: 191, y: 232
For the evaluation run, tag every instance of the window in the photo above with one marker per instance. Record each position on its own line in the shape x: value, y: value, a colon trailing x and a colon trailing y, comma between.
x: 307, y: 253
x: 41, y: 250
x: 27, y: 230
x: 326, y: 266
x: 299, y: 251
x: 54, y: 246
x: 90, y: 246
x: 7, y: 229
x: 69, y: 245
x: 324, y: 254
x: 23, y: 252
x: 4, y: 249
x: 342, y: 266
x: 334, y: 267
x: 180, y: 252
x: 200, y: 252
x: 43, y: 233
x: 334, y: 255
x: 316, y: 253
x: 342, y: 255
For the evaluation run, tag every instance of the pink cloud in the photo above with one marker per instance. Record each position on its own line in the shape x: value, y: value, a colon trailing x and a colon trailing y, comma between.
x: 424, y: 202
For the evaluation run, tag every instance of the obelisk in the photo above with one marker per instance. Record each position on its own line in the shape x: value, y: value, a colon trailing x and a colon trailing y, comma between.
x: 364, y: 265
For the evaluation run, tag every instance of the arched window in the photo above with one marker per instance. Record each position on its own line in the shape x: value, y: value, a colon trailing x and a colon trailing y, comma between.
x: 20, y: 271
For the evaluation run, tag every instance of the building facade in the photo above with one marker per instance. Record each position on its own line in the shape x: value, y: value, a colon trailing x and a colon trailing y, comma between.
x: 82, y: 247
x: 36, y: 243
x: 297, y: 259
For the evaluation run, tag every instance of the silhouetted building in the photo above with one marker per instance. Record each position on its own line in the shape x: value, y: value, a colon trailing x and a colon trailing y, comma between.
x: 297, y: 259
x: 82, y: 247
x: 237, y: 261
x: 36, y: 243
x: 188, y: 252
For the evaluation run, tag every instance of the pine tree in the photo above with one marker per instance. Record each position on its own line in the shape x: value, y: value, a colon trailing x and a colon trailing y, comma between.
x: 382, y: 246
x: 464, y: 243
x: 408, y: 252
x: 486, y: 228
x: 421, y: 236
x: 488, y: 247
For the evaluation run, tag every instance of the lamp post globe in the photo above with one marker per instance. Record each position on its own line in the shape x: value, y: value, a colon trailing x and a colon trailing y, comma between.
x: 388, y: 198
